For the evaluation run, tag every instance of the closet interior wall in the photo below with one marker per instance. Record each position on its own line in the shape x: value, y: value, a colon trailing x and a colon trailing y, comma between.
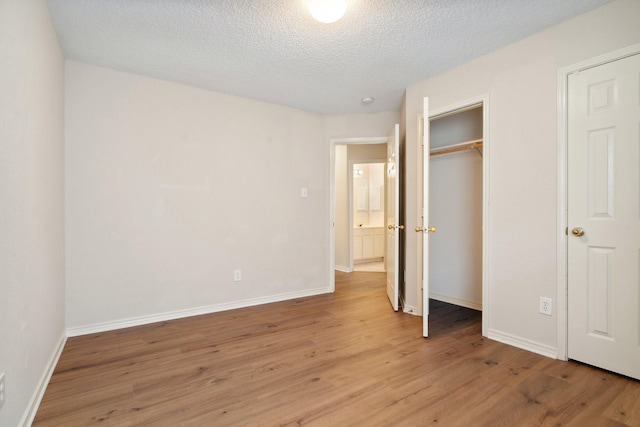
x: 455, y: 208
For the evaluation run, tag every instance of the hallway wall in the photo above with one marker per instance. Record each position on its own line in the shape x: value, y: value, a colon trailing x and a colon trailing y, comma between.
x: 32, y: 329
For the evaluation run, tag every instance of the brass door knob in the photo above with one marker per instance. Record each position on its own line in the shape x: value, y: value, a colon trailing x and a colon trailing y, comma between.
x: 401, y: 227
x: 419, y: 229
x: 578, y: 231
x: 431, y: 230
x: 392, y: 226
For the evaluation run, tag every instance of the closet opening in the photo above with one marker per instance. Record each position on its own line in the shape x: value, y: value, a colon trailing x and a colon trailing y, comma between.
x: 456, y: 209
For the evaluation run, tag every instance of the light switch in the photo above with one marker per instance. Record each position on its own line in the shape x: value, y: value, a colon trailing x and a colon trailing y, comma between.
x: 304, y: 193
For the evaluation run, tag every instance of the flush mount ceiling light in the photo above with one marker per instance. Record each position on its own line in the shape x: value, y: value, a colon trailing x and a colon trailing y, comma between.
x: 327, y: 11
x: 366, y: 101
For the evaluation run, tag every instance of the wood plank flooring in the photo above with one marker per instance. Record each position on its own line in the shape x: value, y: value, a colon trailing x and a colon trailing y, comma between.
x: 344, y: 359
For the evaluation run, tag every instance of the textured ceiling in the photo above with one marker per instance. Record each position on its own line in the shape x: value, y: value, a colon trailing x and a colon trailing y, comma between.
x: 273, y: 51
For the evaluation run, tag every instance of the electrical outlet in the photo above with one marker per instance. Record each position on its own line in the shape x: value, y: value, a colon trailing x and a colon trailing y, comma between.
x: 2, y: 390
x: 237, y: 275
x: 546, y: 306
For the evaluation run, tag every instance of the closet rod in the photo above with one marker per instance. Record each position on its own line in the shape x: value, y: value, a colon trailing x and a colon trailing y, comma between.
x: 457, y: 147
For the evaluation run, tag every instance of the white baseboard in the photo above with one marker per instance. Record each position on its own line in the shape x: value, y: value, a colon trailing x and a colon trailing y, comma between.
x: 409, y: 309
x: 456, y: 301
x: 343, y: 269
x: 368, y: 260
x: 145, y: 320
x: 34, y: 404
x: 524, y: 344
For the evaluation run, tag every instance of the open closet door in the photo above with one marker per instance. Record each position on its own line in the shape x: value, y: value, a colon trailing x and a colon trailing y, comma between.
x: 425, y: 229
x: 393, y: 215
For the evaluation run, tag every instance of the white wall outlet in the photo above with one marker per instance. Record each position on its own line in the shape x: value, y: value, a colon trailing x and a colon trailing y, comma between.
x: 546, y: 306
x: 237, y: 275
x: 2, y: 390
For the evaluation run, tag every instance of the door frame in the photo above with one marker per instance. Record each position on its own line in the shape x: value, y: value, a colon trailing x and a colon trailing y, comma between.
x: 333, y: 142
x: 562, y: 247
x: 456, y: 107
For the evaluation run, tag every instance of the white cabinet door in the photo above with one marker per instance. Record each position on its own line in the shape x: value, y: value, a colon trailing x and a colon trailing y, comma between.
x: 357, y: 244
x: 378, y: 242
x: 367, y: 243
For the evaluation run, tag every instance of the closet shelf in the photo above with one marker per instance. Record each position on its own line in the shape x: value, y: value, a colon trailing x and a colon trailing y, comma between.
x: 454, y: 148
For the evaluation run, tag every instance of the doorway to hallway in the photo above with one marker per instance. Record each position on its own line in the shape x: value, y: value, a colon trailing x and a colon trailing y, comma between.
x: 344, y: 153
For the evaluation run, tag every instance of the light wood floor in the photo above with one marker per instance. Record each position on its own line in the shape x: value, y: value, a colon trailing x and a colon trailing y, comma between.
x: 332, y: 360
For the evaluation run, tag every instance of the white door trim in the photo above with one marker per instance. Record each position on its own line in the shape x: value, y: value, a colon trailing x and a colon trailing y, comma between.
x: 561, y: 243
x: 486, y: 156
x: 332, y: 192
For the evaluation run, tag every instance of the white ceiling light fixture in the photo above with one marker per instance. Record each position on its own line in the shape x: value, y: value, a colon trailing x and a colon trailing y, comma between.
x: 327, y: 11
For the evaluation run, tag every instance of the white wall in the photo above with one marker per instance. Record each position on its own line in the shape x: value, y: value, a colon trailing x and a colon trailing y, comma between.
x: 455, y: 208
x: 32, y: 207
x: 456, y: 128
x: 360, y: 125
x: 368, y: 153
x: 171, y: 188
x: 521, y: 83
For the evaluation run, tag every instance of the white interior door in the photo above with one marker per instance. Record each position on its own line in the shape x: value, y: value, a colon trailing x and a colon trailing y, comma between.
x: 393, y: 215
x: 604, y: 216
x: 426, y: 228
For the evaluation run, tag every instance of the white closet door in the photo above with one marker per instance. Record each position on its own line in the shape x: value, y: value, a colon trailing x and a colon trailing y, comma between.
x: 604, y: 216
